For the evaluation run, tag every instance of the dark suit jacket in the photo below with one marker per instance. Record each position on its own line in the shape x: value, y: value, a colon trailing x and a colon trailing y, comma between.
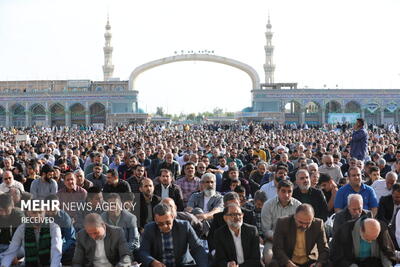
x: 225, y: 248
x: 115, y: 246
x: 317, y: 201
x: 143, y: 208
x: 385, y: 209
x: 218, y: 221
x: 285, y: 240
x: 342, y: 250
x: 344, y: 216
x: 182, y: 235
x: 174, y: 192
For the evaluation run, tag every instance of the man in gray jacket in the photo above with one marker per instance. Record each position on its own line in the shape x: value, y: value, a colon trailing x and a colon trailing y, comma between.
x: 101, y: 245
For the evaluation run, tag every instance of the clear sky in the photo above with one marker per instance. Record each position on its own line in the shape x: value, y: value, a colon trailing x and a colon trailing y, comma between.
x: 351, y: 44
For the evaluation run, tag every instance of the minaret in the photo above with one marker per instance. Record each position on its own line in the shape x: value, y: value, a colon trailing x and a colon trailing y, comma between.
x: 108, y: 67
x: 269, y: 66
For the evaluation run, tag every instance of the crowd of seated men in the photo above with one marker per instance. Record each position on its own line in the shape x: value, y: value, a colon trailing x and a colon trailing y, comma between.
x: 202, y: 196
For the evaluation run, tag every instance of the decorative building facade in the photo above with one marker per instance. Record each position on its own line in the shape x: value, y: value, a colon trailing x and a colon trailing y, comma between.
x: 67, y: 102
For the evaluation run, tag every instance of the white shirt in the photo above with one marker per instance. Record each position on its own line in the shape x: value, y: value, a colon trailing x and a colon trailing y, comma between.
x: 100, y: 259
x: 164, y: 191
x: 18, y: 243
x: 237, y: 240
x: 269, y: 189
x: 380, y: 188
x: 4, y: 188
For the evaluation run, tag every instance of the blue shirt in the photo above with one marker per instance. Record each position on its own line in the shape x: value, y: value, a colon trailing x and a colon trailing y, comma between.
x: 368, y: 194
x: 365, y: 249
x: 63, y: 220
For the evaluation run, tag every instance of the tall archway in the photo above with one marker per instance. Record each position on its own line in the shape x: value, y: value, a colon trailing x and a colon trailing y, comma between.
x: 196, y: 57
x: 18, y: 115
x: 3, y: 115
x: 77, y: 114
x: 97, y: 113
x: 57, y: 115
x: 38, y: 115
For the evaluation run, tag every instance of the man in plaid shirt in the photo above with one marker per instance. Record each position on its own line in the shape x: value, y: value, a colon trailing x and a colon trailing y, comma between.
x: 189, y: 183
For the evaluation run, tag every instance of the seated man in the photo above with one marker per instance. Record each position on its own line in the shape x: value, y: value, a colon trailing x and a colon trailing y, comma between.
x: 206, y: 203
x: 94, y: 204
x: 40, y: 242
x: 363, y: 242
x: 63, y: 220
x: 388, y: 205
x: 71, y: 195
x: 383, y: 187
x: 41, y: 188
x: 10, y: 219
x: 281, y: 205
x: 353, y: 211
x: 8, y: 182
x: 233, y: 174
x: 100, y: 244
x: 270, y: 187
x: 236, y: 243
x: 189, y: 183
x: 166, y: 188
x: 116, y: 185
x: 200, y: 227
x: 307, y: 194
x: 295, y: 238
x: 218, y: 219
x: 165, y: 241
x: 97, y: 177
x: 355, y: 186
x: 147, y: 202
x: 81, y: 180
x: 117, y: 216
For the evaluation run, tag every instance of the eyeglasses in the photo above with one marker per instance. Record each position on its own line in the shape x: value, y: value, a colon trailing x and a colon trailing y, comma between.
x: 235, y: 215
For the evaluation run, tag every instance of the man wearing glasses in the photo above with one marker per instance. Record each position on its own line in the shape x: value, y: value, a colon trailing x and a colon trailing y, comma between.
x: 236, y: 243
x: 165, y: 241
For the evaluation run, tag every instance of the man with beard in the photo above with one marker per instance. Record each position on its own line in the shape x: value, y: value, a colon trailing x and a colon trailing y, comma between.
x: 270, y: 187
x: 167, y: 189
x: 147, y: 202
x: 307, y: 194
x: 40, y: 242
x: 218, y: 219
x: 295, y: 238
x: 330, y: 168
x: 41, y: 188
x: 236, y: 243
x: 134, y: 180
x: 208, y: 202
